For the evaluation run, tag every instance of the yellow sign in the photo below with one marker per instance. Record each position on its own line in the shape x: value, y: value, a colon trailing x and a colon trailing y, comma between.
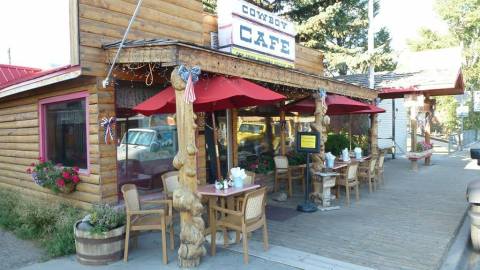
x: 308, y: 141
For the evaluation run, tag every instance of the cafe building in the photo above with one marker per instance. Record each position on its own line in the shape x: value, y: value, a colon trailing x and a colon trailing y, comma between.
x: 87, y: 115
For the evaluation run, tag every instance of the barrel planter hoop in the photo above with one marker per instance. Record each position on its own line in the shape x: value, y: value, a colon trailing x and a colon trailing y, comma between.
x: 99, y: 249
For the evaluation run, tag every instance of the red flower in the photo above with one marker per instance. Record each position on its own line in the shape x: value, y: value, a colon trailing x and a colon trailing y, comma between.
x: 59, y: 165
x: 41, y: 159
x: 60, y: 182
x: 66, y: 175
x: 76, y: 169
x: 29, y: 170
x: 33, y: 164
x: 76, y: 179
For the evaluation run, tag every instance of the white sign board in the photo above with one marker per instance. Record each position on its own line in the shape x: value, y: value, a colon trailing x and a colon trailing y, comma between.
x: 249, y: 31
x: 476, y: 101
x: 462, y: 111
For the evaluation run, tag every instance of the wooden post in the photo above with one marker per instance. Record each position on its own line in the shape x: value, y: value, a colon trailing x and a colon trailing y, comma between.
x: 374, y: 135
x: 185, y: 198
x: 234, y: 137
x: 320, y: 125
x: 413, y: 128
x: 283, y: 124
x: 428, y: 123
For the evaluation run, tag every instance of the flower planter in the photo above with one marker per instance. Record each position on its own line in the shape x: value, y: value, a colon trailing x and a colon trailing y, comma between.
x: 67, y: 189
x: 36, y: 180
x: 99, y: 249
x: 415, y: 156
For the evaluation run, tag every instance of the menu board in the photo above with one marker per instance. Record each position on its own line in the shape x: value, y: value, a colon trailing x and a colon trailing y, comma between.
x: 308, y: 142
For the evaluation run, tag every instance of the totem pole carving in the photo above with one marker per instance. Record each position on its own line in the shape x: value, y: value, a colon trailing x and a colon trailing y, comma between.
x: 320, y: 125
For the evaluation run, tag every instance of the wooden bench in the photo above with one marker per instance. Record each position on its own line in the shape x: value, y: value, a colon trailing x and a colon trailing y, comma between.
x: 414, y: 157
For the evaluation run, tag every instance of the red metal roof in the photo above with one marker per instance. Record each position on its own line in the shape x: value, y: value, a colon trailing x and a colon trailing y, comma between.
x: 10, y: 74
x: 28, y: 76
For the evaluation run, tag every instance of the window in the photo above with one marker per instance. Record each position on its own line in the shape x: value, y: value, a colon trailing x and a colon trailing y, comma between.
x: 63, y: 130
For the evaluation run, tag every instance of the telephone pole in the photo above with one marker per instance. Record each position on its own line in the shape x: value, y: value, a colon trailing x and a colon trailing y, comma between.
x: 9, y: 56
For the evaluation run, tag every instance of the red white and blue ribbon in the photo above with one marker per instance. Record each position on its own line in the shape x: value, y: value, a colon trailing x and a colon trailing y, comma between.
x: 108, y: 124
x: 190, y: 77
x: 323, y: 97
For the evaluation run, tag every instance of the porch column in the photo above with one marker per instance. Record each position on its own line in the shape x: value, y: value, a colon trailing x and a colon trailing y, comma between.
x: 428, y: 123
x: 185, y: 198
x: 374, y: 135
x: 413, y: 128
x: 283, y: 150
x: 320, y: 125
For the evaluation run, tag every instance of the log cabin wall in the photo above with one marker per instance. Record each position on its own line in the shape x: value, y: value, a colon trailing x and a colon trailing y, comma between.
x: 20, y: 144
x: 103, y: 21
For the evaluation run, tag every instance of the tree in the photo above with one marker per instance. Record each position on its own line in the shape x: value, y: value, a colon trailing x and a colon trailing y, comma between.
x: 338, y: 28
x: 430, y: 39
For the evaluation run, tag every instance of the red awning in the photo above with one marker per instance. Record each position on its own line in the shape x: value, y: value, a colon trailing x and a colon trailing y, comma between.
x: 337, y: 105
x: 370, y: 110
x: 213, y: 94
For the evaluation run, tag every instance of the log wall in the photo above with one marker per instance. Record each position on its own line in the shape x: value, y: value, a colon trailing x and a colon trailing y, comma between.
x: 104, y: 21
x: 19, y: 144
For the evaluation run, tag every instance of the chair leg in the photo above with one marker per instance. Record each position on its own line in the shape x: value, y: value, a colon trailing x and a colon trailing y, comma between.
x: 172, y: 236
x: 237, y: 237
x: 276, y: 182
x: 337, y: 191
x: 265, y: 234
x: 225, y: 237
x: 164, y: 244
x: 245, y: 244
x: 213, y: 232
x: 347, y: 194
x: 289, y: 185
x: 357, y: 193
x: 369, y: 183
x: 127, y: 239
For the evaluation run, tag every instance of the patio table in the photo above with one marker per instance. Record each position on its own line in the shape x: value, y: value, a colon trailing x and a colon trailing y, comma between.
x: 213, y: 194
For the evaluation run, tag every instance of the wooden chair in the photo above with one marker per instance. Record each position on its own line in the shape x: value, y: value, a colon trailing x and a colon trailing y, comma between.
x: 349, y: 180
x: 170, y: 183
x: 380, y: 170
x: 366, y: 173
x: 285, y: 172
x: 250, y: 218
x: 249, y: 180
x: 147, y: 220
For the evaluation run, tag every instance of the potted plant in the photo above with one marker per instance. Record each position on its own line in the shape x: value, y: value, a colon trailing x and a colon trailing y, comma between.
x: 54, y: 177
x: 100, y: 236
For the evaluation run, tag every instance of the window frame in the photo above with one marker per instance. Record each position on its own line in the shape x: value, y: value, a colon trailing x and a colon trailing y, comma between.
x: 42, y: 112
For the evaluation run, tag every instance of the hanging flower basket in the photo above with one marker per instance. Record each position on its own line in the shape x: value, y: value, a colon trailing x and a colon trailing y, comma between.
x: 54, y: 177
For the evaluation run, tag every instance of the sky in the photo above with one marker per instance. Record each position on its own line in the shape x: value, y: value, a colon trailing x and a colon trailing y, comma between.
x: 37, y: 32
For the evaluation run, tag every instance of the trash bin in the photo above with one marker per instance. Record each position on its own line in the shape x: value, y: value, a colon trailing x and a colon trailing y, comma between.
x: 473, y: 197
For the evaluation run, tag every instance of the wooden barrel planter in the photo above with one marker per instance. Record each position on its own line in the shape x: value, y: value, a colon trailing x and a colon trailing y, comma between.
x: 99, y: 249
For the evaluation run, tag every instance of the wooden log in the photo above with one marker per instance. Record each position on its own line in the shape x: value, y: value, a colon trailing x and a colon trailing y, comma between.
x: 19, y: 116
x: 20, y: 146
x: 320, y: 126
x: 19, y: 124
x: 18, y: 131
x: 374, y: 135
x: 185, y: 198
x: 29, y: 194
x: 19, y: 139
x: 20, y: 154
x: 283, y: 149
x: 19, y: 109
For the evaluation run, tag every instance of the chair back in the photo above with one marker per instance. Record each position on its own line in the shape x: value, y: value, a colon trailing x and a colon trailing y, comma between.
x: 170, y: 182
x: 254, y: 206
x: 281, y: 162
x: 352, y: 171
x: 250, y: 179
x: 130, y: 195
x: 373, y: 162
x: 381, y: 159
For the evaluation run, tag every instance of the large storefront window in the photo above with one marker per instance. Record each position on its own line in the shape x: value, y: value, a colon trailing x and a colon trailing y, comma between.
x: 64, y: 130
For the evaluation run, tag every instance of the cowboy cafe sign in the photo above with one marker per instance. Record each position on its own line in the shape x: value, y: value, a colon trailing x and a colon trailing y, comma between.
x: 249, y: 31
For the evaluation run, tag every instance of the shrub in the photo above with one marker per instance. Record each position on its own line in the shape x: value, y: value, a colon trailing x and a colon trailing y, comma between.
x: 49, y: 224
x: 104, y: 218
x: 336, y: 143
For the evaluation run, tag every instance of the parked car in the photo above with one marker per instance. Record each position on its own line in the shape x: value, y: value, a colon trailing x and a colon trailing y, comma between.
x: 150, y: 148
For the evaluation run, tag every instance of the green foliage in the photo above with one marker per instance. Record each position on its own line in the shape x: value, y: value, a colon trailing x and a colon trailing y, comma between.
x: 263, y: 164
x: 49, y: 224
x: 296, y: 158
x: 339, y: 28
x: 336, y: 143
x: 446, y: 111
x: 360, y: 141
x: 105, y: 218
x: 430, y: 39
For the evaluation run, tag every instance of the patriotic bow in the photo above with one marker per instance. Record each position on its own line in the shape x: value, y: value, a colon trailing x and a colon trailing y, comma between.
x: 323, y: 95
x: 108, y: 124
x: 190, y: 77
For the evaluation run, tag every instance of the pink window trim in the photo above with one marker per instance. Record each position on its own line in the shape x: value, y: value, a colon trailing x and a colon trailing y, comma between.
x: 42, y: 130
